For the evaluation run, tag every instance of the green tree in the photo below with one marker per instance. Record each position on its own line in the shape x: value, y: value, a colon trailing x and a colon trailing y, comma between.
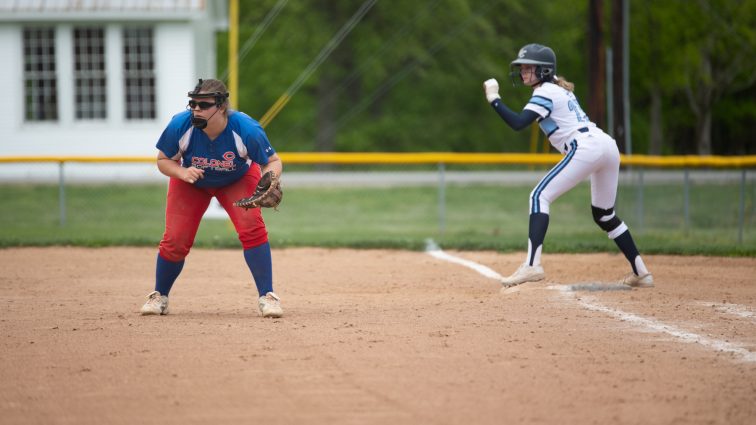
x: 656, y: 56
x: 721, y: 61
x: 408, y: 77
x: 702, y: 52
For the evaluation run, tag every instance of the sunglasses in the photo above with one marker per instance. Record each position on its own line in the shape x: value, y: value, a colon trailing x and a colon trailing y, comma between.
x: 202, y: 105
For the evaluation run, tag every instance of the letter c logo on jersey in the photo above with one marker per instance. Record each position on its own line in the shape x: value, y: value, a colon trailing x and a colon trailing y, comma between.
x: 229, y: 156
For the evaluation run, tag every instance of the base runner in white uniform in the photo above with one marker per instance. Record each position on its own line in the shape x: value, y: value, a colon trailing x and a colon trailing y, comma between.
x: 587, y: 150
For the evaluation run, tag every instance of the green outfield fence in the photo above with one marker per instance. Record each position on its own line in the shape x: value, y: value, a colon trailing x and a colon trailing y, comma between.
x: 639, y: 163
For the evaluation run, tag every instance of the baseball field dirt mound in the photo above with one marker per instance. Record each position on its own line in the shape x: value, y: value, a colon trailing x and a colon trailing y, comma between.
x: 375, y: 337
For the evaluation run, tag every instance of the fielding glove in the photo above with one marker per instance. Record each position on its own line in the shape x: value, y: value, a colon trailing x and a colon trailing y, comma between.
x: 267, y: 194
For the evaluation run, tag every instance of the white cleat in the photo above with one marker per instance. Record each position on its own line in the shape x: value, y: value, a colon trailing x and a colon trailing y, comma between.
x: 635, y: 281
x: 156, y: 304
x: 270, y: 305
x: 524, y: 273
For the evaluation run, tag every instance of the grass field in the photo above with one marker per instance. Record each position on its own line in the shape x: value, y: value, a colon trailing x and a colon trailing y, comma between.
x: 476, y: 217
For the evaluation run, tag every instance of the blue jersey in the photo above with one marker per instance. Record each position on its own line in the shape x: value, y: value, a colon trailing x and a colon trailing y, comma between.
x: 225, y: 159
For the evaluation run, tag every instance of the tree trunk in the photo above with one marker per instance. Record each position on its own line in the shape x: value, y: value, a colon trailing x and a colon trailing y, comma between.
x: 703, y: 138
x: 701, y: 98
x: 325, y: 119
x: 703, y: 130
x: 656, y: 132
x: 328, y: 93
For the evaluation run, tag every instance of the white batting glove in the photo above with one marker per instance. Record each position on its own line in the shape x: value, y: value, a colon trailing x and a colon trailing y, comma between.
x: 491, y: 88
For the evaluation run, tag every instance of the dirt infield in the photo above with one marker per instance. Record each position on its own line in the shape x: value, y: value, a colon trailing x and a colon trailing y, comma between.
x: 374, y: 337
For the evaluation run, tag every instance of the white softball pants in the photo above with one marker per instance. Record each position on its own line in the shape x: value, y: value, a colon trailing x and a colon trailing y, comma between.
x: 593, y: 154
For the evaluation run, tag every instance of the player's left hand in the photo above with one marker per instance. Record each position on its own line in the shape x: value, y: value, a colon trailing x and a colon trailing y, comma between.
x: 491, y: 87
x: 268, y: 193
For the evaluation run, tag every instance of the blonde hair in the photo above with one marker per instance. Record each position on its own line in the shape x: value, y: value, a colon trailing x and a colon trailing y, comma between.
x: 563, y: 83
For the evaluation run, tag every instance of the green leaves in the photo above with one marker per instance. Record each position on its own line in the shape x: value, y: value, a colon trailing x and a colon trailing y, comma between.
x: 408, y: 77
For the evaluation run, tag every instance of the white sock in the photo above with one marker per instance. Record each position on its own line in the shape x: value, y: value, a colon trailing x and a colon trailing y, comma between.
x: 640, y: 266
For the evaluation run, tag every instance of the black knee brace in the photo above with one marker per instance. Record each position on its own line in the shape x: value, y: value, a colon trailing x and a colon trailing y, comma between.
x: 608, y: 225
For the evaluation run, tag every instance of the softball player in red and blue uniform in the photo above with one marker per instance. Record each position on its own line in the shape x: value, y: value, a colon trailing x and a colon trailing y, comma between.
x: 211, y: 151
x: 587, y: 150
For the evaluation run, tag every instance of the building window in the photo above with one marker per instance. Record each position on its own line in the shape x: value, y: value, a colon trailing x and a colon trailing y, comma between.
x: 139, y: 73
x: 40, y: 84
x: 89, y: 73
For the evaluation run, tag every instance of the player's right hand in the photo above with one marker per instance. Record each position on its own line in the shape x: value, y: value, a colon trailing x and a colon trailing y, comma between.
x: 191, y: 174
x: 491, y: 87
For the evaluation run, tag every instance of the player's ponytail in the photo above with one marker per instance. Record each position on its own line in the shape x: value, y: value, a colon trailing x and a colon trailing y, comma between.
x: 563, y: 83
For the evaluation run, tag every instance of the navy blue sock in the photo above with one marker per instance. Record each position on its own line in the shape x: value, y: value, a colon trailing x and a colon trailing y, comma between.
x: 166, y: 273
x: 539, y: 223
x: 627, y: 246
x: 261, y: 265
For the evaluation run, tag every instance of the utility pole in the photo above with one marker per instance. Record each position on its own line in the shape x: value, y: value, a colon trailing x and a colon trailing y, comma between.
x: 621, y: 74
x: 233, y: 53
x: 596, y: 64
x: 618, y: 67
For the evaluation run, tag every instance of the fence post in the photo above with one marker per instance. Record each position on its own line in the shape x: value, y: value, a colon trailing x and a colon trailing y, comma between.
x: 741, y: 218
x: 62, y: 192
x: 441, y: 198
x: 686, y: 201
x: 640, y: 199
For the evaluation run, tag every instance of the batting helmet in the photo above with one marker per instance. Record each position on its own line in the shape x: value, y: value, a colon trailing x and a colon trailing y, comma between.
x: 536, y: 54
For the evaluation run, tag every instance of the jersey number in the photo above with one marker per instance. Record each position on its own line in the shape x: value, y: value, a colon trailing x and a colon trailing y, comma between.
x: 579, y: 114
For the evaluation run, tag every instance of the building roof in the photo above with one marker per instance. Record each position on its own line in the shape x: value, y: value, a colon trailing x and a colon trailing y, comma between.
x: 111, y: 10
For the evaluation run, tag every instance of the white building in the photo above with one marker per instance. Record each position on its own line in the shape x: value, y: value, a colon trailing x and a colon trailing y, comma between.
x: 100, y: 77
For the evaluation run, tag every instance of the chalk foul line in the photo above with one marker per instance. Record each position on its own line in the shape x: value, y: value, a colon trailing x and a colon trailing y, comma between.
x: 679, y: 334
x: 731, y: 309
x: 432, y: 249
